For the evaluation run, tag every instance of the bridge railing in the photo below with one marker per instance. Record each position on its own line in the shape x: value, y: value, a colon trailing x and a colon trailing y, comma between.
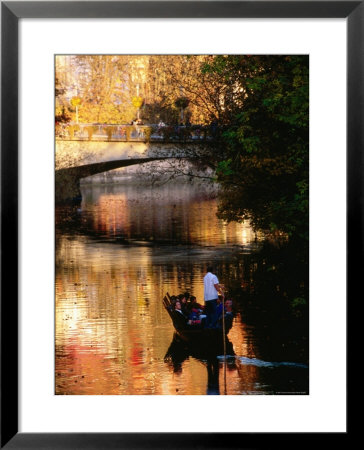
x: 141, y: 133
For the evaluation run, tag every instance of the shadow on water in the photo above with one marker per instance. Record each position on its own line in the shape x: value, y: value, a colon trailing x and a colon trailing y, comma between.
x: 210, y: 356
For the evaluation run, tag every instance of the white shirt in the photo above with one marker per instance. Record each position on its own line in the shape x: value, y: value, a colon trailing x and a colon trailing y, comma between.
x: 210, y: 293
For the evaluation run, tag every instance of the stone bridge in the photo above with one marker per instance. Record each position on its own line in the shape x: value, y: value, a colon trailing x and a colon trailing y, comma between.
x: 77, y: 159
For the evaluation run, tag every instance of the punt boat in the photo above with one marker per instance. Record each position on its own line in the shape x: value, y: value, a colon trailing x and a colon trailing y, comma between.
x: 193, y: 333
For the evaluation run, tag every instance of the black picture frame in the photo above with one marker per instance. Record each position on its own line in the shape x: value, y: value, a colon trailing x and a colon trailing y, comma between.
x: 11, y: 12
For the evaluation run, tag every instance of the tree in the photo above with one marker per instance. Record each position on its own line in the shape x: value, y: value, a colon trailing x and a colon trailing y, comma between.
x: 100, y: 85
x: 264, y: 169
x: 61, y: 114
x: 105, y: 85
x: 180, y: 76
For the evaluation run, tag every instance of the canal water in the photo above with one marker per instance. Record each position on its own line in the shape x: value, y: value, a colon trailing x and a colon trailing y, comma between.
x: 117, y: 254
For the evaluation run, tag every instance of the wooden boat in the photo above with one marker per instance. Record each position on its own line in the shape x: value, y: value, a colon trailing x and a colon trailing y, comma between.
x: 193, y: 333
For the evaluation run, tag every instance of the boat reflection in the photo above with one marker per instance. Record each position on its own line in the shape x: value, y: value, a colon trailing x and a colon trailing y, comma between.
x: 211, y: 356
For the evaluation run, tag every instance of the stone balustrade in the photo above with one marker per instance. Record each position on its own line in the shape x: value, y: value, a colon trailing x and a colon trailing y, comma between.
x: 141, y: 133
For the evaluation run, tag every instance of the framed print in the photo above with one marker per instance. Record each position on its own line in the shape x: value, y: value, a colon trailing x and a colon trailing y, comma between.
x: 107, y: 244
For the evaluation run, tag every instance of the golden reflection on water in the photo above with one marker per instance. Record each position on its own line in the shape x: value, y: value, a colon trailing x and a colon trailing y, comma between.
x: 112, y: 331
x: 174, y: 212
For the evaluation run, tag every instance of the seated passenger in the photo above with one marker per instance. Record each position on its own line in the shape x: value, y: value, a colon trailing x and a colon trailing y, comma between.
x: 194, y: 314
x: 219, y: 307
x: 195, y: 318
x: 229, y: 306
x: 178, y: 308
x: 179, y: 319
x: 182, y: 298
x: 171, y: 307
x: 194, y: 304
x: 229, y: 314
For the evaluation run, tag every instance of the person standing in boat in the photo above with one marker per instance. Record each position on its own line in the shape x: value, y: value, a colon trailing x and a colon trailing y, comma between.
x: 212, y: 287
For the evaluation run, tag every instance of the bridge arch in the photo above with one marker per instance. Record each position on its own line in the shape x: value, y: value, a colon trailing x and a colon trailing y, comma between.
x: 67, y: 180
x: 81, y: 159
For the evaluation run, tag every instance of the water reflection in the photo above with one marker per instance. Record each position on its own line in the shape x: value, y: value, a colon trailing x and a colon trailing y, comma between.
x: 179, y: 351
x: 116, y: 257
x: 176, y: 212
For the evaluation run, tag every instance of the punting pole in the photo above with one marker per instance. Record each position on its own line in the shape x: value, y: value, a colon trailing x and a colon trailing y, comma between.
x: 224, y: 338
